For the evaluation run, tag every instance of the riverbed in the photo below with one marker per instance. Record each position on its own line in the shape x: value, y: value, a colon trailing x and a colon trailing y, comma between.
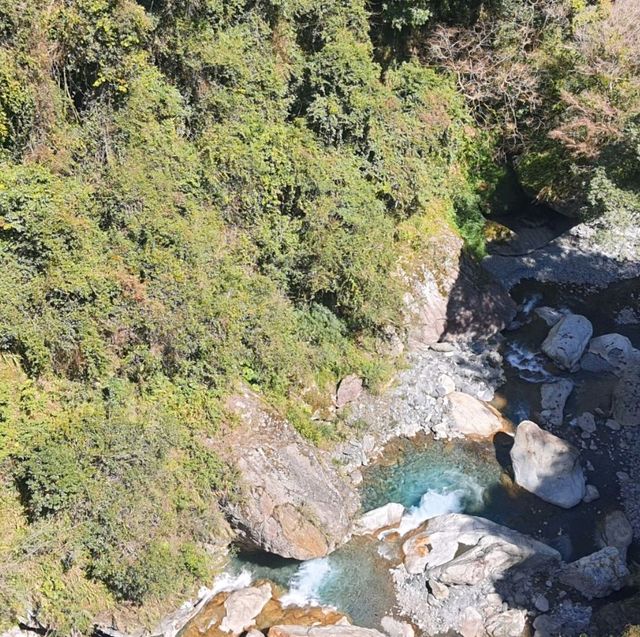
x: 431, y: 477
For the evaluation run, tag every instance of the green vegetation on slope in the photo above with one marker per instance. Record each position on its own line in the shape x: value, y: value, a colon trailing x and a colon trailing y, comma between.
x: 192, y: 192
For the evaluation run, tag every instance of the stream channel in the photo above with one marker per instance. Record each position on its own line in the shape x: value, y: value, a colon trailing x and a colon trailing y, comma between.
x: 432, y: 477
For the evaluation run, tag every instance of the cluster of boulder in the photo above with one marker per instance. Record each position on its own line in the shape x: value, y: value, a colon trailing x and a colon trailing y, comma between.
x: 477, y: 578
x: 257, y: 610
x: 571, y: 346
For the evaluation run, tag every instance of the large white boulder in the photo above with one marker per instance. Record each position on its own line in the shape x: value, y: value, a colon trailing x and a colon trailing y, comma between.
x: 547, y: 466
x: 243, y: 606
x: 460, y: 549
x: 567, y: 340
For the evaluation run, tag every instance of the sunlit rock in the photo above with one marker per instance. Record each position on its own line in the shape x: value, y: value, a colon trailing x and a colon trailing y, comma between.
x: 547, y: 466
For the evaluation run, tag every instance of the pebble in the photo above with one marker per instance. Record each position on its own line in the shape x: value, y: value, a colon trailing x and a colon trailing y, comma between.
x: 541, y: 603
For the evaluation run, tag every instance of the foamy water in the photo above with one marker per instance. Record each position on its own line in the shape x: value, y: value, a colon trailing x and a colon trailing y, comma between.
x: 530, y: 364
x: 304, y: 588
x: 530, y: 303
x: 467, y: 495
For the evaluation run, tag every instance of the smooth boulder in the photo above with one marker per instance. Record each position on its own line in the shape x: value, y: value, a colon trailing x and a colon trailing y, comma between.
x: 547, y: 466
x: 293, y: 501
x: 473, y: 418
x: 567, y: 340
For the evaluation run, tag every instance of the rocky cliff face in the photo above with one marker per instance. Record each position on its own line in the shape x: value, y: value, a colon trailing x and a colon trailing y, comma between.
x: 293, y: 502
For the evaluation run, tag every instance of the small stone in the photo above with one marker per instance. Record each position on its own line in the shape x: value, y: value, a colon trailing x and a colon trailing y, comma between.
x: 586, y: 422
x: 446, y: 385
x: 591, y: 494
x: 438, y: 590
x: 541, y: 603
x: 471, y: 624
x: 613, y: 424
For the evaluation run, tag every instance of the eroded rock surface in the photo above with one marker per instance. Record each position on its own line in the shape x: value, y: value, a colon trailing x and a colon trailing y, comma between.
x: 553, y: 400
x: 293, y: 502
x: 457, y: 562
x: 547, y: 466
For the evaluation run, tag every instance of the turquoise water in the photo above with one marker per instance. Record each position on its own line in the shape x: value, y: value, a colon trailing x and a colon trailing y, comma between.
x: 428, y: 477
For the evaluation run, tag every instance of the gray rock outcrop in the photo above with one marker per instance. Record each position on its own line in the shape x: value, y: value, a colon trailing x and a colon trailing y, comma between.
x: 547, y: 466
x: 293, y: 501
x: 617, y: 532
x: 598, y: 574
x: 567, y: 340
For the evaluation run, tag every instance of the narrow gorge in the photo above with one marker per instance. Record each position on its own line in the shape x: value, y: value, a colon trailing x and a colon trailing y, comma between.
x: 490, y: 490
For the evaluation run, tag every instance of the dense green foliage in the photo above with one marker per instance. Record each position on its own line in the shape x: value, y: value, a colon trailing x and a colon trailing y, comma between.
x: 193, y: 193
x: 558, y: 81
x: 201, y: 193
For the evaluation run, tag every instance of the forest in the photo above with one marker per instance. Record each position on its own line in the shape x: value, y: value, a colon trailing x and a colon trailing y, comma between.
x: 200, y: 193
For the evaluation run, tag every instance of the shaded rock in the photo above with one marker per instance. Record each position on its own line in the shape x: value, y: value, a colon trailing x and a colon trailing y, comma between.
x: 626, y: 399
x: 607, y: 353
x: 510, y: 623
x: 472, y: 417
x: 567, y: 341
x: 596, y: 575
x: 586, y: 422
x: 383, y: 517
x: 566, y: 620
x: 613, y: 425
x: 617, y: 532
x: 336, y: 630
x: 541, y: 603
x: 553, y: 400
x: 548, y: 315
x: 547, y: 466
x: 349, y: 389
x: 293, y: 503
x: 591, y: 494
